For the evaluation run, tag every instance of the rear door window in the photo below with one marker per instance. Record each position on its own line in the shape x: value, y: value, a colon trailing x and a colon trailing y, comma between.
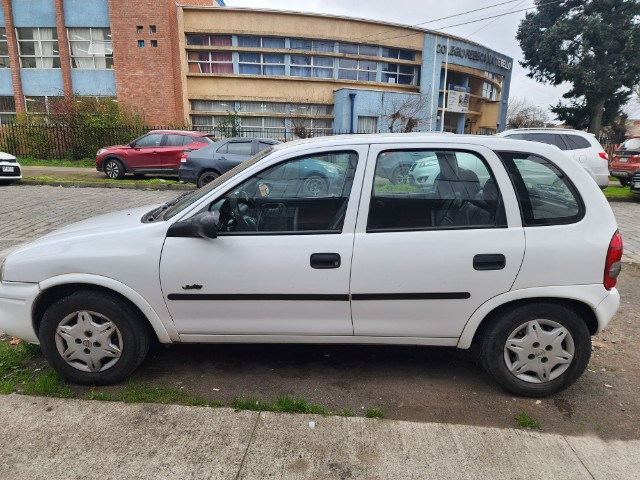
x: 546, y: 196
x: 176, y: 140
x: 443, y: 189
x: 550, y: 138
x: 239, y: 148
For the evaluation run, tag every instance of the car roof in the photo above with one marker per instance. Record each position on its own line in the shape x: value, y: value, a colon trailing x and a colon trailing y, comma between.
x: 402, y: 139
x: 183, y: 132
x: 548, y: 130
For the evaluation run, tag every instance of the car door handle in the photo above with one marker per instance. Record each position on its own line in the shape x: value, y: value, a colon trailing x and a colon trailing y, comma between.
x: 489, y: 261
x: 325, y: 260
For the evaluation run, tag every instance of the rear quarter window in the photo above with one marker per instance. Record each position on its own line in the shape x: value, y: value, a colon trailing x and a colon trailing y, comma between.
x: 545, y: 194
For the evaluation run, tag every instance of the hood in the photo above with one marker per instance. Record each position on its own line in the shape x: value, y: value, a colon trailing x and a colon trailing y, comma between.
x: 110, y: 222
x: 87, y: 246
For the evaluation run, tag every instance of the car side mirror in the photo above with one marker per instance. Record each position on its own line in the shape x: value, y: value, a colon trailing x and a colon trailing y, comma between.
x: 203, y: 225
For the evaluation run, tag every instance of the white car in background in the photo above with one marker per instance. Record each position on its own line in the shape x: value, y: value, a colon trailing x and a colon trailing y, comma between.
x: 583, y: 147
x: 9, y: 168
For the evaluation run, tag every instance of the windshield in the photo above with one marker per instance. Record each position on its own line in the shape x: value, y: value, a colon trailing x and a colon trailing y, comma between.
x: 631, y: 144
x: 201, y: 192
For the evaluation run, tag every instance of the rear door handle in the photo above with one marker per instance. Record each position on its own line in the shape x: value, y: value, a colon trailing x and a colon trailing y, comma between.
x: 489, y: 261
x: 325, y: 260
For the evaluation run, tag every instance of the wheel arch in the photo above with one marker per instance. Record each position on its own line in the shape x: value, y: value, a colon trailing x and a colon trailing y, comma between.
x: 113, y: 156
x: 583, y: 310
x: 56, y: 288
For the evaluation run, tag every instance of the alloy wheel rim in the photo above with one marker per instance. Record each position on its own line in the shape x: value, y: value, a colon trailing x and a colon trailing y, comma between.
x: 88, y: 341
x: 539, y: 351
x: 112, y: 169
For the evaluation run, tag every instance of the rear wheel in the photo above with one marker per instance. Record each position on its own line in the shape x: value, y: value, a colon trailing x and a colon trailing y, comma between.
x: 114, y: 168
x: 206, y: 177
x: 536, y: 350
x: 93, y: 338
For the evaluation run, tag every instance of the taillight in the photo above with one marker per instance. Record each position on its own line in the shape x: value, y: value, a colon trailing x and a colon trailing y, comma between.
x: 604, y: 156
x: 184, y: 156
x: 612, y: 266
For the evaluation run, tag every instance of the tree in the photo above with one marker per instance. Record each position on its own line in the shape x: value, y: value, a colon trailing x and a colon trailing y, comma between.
x: 524, y: 114
x: 591, y: 44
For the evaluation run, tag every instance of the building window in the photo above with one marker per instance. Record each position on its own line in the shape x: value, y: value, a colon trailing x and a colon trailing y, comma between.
x: 152, y: 29
x: 261, y: 64
x: 141, y: 43
x: 35, y: 105
x: 210, y: 62
x: 353, y: 49
x: 363, y: 70
x: 154, y: 43
x: 314, y: 45
x: 211, y: 106
x: 367, y: 124
x: 398, y: 54
x: 310, y: 66
x: 139, y: 29
x: 401, y: 74
x: 4, y: 49
x: 261, y: 42
x: 489, y: 91
x: 90, y: 48
x: 209, y: 40
x: 296, y: 109
x: 38, y: 47
x: 266, y: 127
x: 7, y: 109
x: 312, y: 127
x: 204, y: 123
x: 263, y: 107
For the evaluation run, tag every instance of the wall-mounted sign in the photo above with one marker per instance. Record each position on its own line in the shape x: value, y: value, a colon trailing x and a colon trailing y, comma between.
x: 458, y: 99
x: 476, y: 55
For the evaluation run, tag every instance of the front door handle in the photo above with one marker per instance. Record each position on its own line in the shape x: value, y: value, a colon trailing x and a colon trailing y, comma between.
x: 325, y: 260
x: 489, y: 261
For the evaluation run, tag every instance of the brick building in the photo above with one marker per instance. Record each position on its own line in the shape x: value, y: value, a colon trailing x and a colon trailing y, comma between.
x: 194, y: 62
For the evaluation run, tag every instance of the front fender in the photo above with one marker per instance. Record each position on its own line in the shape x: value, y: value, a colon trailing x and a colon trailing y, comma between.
x: 164, y: 329
x: 593, y: 296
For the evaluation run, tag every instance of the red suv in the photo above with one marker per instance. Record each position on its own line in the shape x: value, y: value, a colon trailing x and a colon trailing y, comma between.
x: 626, y: 160
x: 158, y: 152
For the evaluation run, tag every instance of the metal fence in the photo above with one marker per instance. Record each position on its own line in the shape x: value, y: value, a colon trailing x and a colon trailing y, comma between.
x: 51, y: 141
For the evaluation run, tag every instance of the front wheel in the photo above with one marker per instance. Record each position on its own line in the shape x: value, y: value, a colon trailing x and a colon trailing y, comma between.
x: 399, y: 175
x: 114, y: 169
x: 93, y: 338
x: 536, y: 350
x: 623, y: 181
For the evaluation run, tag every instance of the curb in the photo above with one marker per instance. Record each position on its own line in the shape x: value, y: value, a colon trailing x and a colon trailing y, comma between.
x: 81, y: 184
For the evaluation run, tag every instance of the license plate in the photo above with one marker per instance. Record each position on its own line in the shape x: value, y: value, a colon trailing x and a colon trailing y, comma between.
x: 7, y: 169
x: 623, y: 160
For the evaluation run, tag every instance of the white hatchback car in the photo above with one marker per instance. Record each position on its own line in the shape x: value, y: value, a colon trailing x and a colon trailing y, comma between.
x: 512, y: 247
x: 583, y: 147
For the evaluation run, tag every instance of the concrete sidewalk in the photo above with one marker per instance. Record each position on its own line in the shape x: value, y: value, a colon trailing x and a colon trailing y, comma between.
x: 47, y: 438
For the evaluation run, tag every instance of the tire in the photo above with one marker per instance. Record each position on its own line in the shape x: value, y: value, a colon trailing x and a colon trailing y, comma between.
x: 315, y: 186
x: 103, y: 318
x: 399, y: 175
x: 536, y: 350
x: 114, y: 169
x: 206, y: 177
x: 624, y: 182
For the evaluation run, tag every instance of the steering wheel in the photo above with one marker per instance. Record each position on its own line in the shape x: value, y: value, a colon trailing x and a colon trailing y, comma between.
x: 244, y: 223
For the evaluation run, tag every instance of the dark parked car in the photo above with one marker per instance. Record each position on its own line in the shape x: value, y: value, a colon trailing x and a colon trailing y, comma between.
x: 158, y: 151
x: 208, y: 163
x: 635, y: 182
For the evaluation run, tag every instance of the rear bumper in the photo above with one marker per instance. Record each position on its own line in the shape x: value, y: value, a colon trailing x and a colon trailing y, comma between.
x: 187, y: 174
x: 607, y: 308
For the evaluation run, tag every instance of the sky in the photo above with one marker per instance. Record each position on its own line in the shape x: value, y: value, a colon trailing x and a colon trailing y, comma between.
x: 498, y: 34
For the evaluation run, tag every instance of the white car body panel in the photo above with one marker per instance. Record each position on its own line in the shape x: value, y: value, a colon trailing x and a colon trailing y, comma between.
x: 135, y: 259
